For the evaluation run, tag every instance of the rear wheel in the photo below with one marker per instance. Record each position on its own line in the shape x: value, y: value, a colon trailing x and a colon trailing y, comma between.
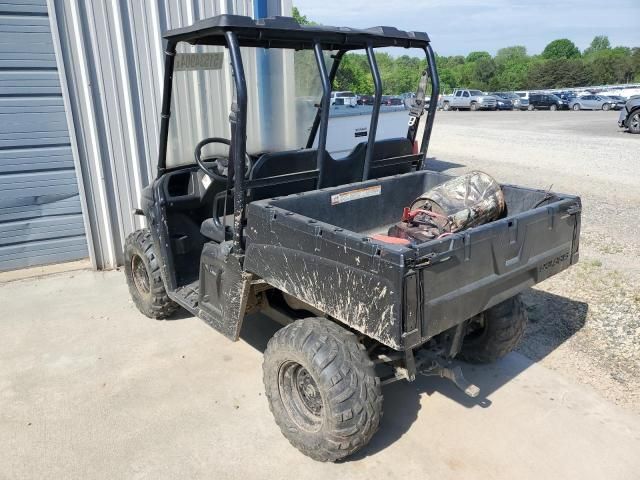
x: 576, y: 107
x: 142, y: 271
x: 606, y: 107
x: 495, y: 332
x: 322, y: 388
x: 446, y: 106
x: 531, y: 108
x: 634, y: 122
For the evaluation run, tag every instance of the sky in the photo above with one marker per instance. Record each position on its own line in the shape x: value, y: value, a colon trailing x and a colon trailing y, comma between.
x: 457, y: 27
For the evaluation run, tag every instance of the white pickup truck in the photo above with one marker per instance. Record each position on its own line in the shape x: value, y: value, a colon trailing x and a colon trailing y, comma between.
x: 468, y: 99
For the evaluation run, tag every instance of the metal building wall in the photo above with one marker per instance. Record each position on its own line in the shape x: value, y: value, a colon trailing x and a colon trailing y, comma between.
x: 112, y: 52
x: 40, y: 203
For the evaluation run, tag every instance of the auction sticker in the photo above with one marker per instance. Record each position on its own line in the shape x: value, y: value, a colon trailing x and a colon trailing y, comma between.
x: 351, y: 195
x: 198, y: 61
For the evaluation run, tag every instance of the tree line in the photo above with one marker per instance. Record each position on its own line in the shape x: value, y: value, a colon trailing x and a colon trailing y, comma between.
x: 560, y: 65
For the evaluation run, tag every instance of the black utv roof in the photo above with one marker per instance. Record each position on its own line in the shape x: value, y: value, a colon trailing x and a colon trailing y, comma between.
x: 286, y: 32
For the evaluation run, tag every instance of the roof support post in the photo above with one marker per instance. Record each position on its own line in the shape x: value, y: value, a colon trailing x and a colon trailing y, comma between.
x: 169, y: 59
x: 324, y: 111
x: 238, y: 119
x: 375, y: 113
x: 433, y: 104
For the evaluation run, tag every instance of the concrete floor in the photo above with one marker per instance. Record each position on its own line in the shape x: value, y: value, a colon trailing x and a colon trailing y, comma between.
x: 91, y: 389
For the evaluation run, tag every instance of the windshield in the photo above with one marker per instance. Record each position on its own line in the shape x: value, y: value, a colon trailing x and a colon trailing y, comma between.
x: 476, y: 93
x: 280, y: 107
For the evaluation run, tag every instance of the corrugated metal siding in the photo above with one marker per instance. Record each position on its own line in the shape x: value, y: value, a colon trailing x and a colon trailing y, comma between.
x: 112, y: 52
x: 40, y: 210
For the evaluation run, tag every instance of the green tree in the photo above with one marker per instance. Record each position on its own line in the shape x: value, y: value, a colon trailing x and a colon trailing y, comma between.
x: 635, y: 63
x: 301, y: 19
x: 558, y: 73
x: 598, y: 44
x: 484, y: 70
x: 354, y: 74
x: 475, y: 56
x: 517, y: 53
x: 609, y: 66
x: 561, y: 48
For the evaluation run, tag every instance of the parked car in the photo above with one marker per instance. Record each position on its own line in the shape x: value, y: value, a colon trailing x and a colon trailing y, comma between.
x: 503, y: 103
x: 566, y: 96
x: 391, y: 100
x: 630, y: 115
x: 546, y: 101
x: 344, y: 98
x: 468, y: 99
x: 618, y: 102
x: 591, y: 102
x: 365, y: 100
x: 516, y: 100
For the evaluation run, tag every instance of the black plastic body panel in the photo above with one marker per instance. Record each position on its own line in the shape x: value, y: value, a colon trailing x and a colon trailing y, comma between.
x: 316, y: 247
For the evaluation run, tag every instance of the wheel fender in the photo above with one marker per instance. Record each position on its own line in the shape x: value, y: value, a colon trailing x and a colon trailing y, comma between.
x: 358, y: 298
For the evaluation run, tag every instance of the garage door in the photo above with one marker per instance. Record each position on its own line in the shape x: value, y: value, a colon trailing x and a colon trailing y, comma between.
x: 40, y: 215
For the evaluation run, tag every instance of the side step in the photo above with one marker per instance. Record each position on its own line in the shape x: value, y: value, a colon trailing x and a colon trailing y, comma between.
x: 187, y: 296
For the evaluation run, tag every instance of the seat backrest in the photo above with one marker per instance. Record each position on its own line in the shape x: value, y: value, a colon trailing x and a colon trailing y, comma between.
x: 349, y: 169
x: 388, y: 148
x: 281, y: 163
x: 340, y: 171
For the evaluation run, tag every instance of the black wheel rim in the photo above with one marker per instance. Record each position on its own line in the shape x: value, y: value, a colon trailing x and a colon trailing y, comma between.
x: 300, y: 396
x: 140, y: 275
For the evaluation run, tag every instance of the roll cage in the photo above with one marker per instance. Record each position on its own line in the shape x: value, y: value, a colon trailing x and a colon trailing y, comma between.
x: 234, y: 31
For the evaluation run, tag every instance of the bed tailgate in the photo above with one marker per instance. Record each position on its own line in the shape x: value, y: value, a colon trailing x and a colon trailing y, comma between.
x: 467, y: 273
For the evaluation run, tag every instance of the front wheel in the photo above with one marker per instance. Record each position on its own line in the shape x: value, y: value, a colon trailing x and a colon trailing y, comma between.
x: 322, y: 388
x: 495, y: 332
x: 473, y: 107
x: 634, y: 122
x: 142, y: 270
x: 576, y: 107
x: 606, y: 107
x: 531, y: 108
x: 553, y: 108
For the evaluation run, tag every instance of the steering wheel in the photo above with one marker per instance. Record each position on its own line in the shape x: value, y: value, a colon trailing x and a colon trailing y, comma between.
x: 219, y: 165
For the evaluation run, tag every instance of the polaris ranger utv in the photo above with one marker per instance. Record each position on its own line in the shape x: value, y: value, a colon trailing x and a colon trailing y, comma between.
x: 277, y: 225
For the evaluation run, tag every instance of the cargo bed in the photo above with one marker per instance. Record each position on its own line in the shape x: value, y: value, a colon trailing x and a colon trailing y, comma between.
x: 316, y: 246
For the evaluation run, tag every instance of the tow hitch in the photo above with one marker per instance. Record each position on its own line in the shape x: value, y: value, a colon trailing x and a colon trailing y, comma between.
x: 430, y: 363
x: 436, y: 369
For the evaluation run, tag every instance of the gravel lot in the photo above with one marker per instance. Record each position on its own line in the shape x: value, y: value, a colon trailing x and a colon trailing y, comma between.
x: 585, y: 321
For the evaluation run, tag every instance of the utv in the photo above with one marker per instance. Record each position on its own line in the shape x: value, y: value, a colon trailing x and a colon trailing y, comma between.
x: 267, y: 220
